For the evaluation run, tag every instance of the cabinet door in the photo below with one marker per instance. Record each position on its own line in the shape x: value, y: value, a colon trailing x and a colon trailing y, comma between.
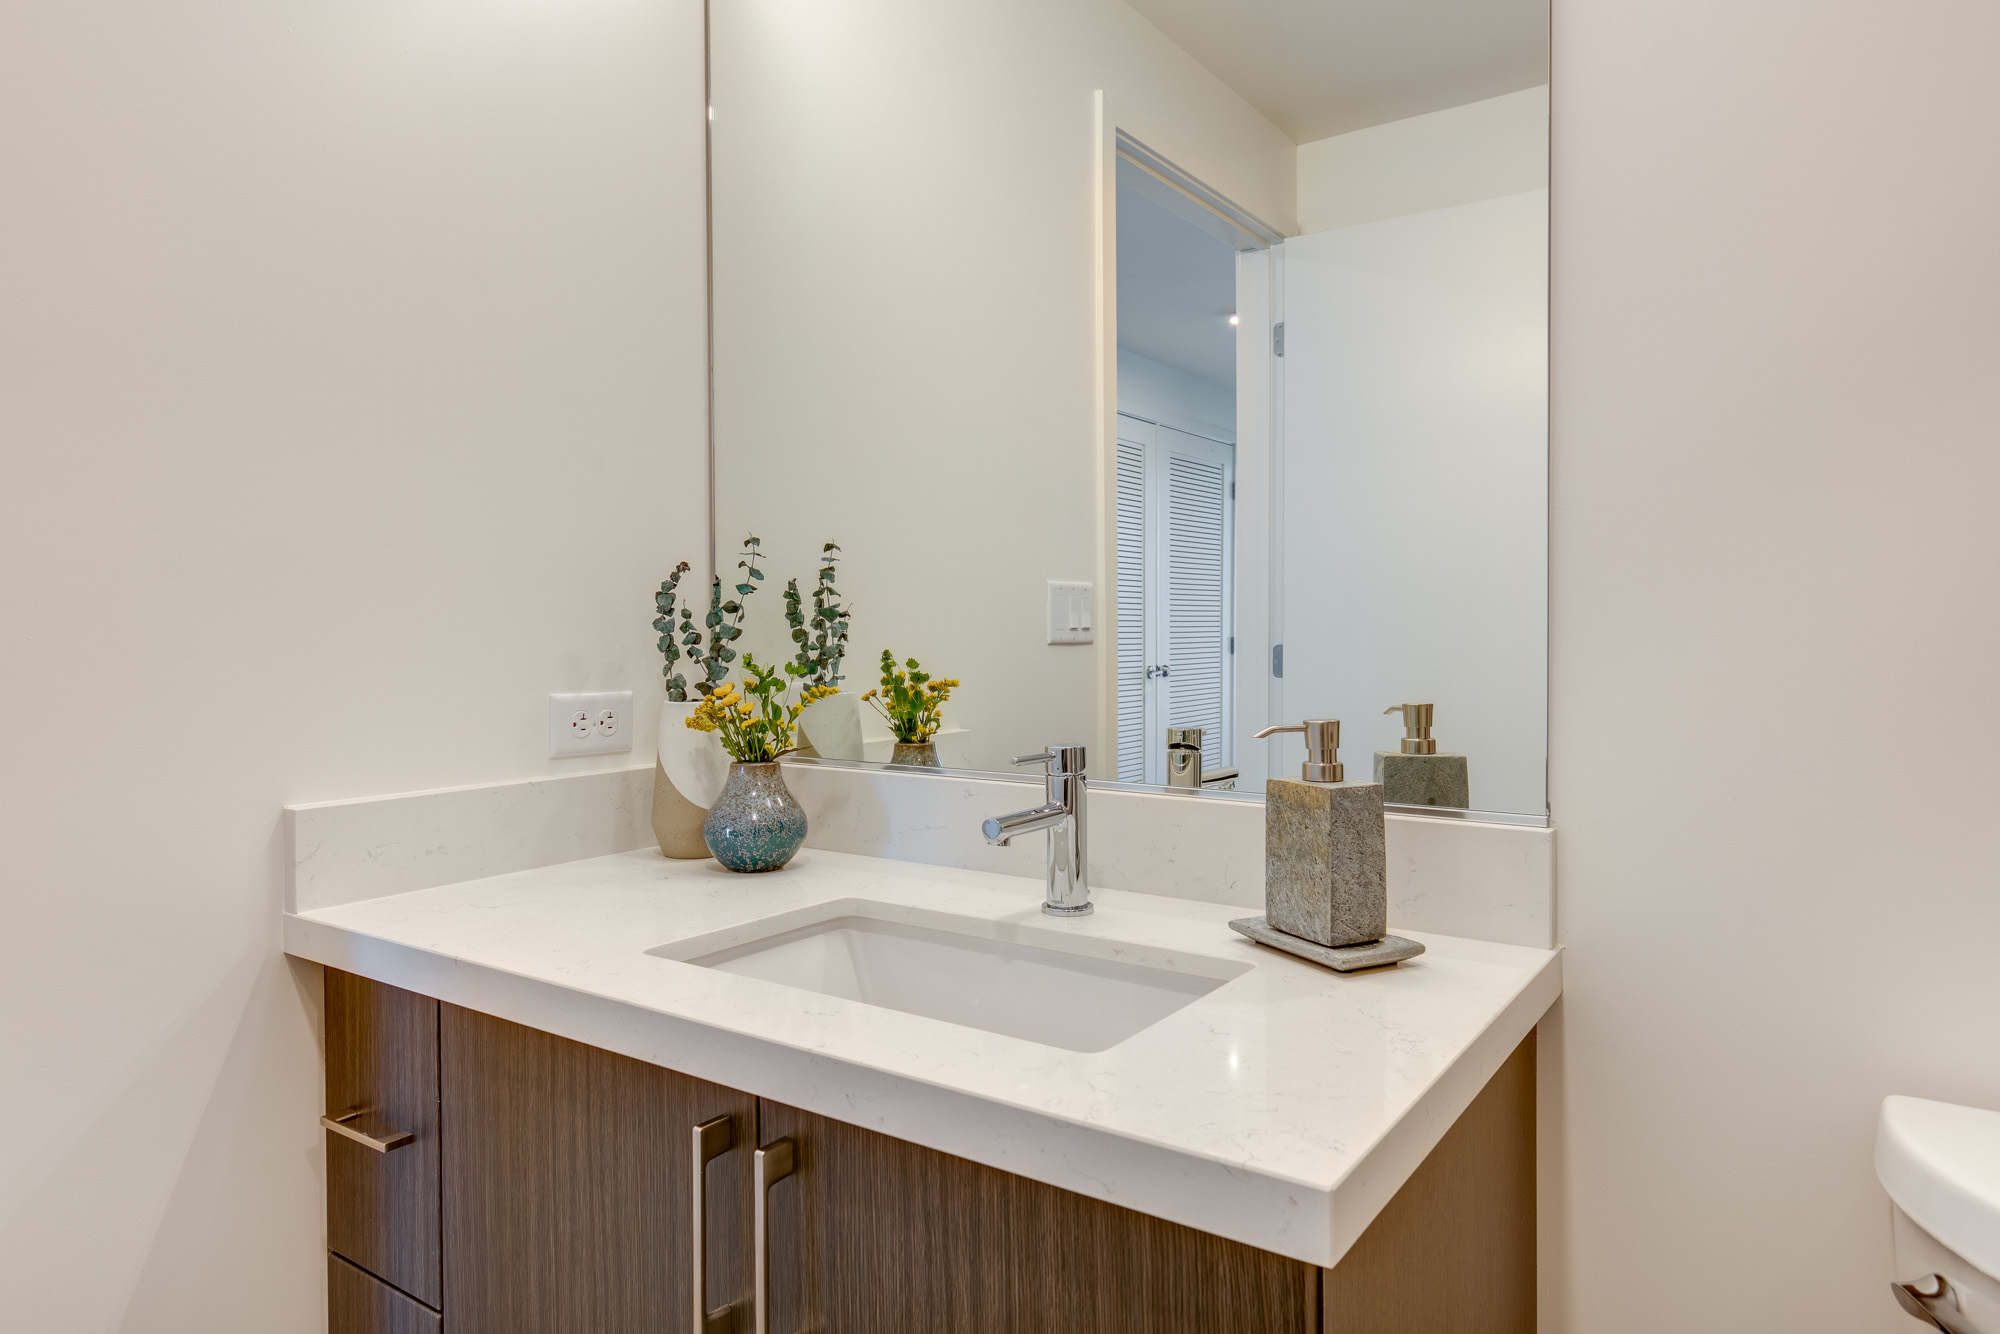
x: 382, y: 1069
x: 568, y: 1187
x: 359, y: 1303
x: 1455, y: 1249
x: 870, y: 1235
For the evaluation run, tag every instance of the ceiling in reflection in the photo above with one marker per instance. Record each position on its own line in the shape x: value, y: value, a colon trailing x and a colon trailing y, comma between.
x: 1176, y: 291
x: 1316, y: 69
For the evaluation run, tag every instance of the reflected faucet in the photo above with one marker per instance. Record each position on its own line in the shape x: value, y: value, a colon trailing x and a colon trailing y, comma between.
x: 1062, y: 815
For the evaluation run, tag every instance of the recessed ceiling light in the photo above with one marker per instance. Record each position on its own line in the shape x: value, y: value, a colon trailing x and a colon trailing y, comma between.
x: 1234, y: 320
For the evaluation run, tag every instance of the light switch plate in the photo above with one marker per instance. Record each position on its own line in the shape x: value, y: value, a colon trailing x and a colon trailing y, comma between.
x: 1071, y: 608
x: 598, y: 723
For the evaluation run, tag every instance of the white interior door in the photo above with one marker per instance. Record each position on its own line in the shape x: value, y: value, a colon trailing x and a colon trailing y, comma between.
x: 1176, y: 539
x: 1196, y: 476
x: 1414, y: 486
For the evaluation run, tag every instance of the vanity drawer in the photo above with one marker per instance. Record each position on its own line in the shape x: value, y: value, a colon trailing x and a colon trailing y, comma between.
x: 382, y: 1206
x: 359, y: 1303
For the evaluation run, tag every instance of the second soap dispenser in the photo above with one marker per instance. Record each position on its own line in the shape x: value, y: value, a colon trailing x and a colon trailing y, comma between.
x: 1417, y: 773
x: 1326, y: 895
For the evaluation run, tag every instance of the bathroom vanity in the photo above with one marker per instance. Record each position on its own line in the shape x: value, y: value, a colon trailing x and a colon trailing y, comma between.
x: 633, y: 1086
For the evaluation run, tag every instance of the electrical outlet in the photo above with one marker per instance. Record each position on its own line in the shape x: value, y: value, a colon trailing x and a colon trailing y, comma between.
x: 592, y: 724
x: 1070, y: 608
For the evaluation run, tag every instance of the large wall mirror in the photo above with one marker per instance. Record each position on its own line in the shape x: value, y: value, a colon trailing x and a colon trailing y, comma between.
x: 1163, y: 370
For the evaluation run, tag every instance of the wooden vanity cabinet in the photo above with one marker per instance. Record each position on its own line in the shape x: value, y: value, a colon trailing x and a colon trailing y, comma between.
x: 564, y: 1199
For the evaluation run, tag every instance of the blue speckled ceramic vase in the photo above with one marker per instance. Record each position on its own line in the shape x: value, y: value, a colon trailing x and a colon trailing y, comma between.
x: 756, y: 824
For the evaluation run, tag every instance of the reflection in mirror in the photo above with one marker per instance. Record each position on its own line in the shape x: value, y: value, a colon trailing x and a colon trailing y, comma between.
x: 1163, y: 371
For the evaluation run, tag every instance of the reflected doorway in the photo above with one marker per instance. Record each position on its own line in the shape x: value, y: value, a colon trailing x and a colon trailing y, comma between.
x: 1178, y: 275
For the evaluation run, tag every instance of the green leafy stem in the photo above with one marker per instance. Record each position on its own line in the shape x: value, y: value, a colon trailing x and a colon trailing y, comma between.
x: 822, y: 635
x: 723, y: 623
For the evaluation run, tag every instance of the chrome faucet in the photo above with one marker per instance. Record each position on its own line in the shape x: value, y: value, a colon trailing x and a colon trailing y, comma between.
x: 1063, y: 816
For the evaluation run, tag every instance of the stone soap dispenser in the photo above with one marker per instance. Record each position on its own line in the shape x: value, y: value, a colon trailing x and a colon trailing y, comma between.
x: 1326, y: 891
x: 1418, y: 773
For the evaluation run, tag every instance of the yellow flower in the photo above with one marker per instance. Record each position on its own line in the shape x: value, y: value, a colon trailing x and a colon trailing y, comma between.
x: 744, y: 708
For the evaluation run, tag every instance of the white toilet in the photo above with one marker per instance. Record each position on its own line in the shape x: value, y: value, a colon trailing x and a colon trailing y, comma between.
x: 1940, y: 1164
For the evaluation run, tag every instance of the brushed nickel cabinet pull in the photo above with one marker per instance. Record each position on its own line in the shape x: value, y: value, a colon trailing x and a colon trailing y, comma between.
x: 775, y: 1162
x: 382, y: 1143
x: 712, y: 1139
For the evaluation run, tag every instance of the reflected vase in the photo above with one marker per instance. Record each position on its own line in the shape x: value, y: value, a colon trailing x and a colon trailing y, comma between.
x: 756, y: 824
x: 922, y: 754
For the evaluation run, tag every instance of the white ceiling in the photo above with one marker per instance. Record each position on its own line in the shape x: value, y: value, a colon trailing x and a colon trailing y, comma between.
x: 1316, y: 68
x: 1176, y: 291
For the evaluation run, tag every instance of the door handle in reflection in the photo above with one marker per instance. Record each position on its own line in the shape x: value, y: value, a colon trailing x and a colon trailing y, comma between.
x: 775, y: 1162
x: 712, y: 1139
x: 381, y: 1142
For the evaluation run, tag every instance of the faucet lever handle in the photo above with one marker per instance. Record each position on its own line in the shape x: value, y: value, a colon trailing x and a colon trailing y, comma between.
x: 1045, y: 757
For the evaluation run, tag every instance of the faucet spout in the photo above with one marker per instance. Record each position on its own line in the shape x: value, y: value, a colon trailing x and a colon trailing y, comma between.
x: 1062, y: 816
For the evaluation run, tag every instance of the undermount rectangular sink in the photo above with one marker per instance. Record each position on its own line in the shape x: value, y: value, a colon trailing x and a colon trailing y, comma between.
x: 1004, y: 979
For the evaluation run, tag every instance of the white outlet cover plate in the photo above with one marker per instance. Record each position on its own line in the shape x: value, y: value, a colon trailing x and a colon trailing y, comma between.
x: 596, y: 723
x: 1071, y: 607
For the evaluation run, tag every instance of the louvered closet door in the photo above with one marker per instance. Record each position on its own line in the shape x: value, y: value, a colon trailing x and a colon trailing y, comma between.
x: 1197, y: 568
x: 1134, y: 438
x: 1176, y: 535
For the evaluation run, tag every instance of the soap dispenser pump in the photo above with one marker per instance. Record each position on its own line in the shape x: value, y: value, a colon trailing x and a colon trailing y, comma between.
x: 1322, y: 749
x: 1417, y: 773
x: 1417, y: 738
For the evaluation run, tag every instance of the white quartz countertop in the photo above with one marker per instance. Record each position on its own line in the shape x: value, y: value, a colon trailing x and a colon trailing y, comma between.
x: 1282, y: 1109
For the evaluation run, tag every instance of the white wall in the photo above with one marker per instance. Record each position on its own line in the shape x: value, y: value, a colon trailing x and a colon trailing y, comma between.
x: 1162, y: 393
x: 351, y: 397
x: 1775, y: 628
x: 1482, y: 150
x: 1415, y: 488
x: 907, y: 353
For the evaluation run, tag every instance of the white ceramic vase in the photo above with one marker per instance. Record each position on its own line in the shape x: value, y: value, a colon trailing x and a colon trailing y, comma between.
x: 833, y: 726
x: 689, y: 776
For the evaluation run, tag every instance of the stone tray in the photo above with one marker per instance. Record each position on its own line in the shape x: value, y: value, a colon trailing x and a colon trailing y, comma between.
x: 1346, y: 959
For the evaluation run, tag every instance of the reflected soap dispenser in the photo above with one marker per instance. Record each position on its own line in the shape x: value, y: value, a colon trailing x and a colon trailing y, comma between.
x: 1325, y: 861
x: 1418, y: 773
